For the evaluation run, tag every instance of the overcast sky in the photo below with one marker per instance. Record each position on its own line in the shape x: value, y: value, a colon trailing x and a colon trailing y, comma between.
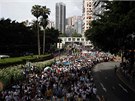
x: 20, y: 10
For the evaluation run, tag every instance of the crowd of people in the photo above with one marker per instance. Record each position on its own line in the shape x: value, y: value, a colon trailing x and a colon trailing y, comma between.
x: 129, y: 75
x: 68, y: 79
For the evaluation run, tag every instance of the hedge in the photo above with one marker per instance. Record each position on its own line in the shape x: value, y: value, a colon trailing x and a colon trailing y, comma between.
x: 13, y: 74
x: 22, y: 60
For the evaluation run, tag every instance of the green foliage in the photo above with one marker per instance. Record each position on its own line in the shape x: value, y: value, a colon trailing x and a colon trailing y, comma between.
x: 51, y: 37
x: 14, y: 73
x: 10, y: 75
x: 63, y: 35
x: 75, y: 34
x: 44, y: 16
x: 16, y: 38
x: 36, y: 11
x: 19, y: 60
x: 110, y: 32
x: 41, y: 65
x: 45, y: 12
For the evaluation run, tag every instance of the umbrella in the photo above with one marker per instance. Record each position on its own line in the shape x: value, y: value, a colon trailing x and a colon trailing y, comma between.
x: 57, y: 62
x: 47, y: 68
x: 79, y: 60
x: 66, y: 63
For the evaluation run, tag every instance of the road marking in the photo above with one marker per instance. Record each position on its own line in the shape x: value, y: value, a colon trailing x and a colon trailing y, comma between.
x: 123, y: 88
x: 103, y: 87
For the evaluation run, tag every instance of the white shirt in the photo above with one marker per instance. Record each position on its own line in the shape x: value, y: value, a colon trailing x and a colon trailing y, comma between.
x: 94, y: 91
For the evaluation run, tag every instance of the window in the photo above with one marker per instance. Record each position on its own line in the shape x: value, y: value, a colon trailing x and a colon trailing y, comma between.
x: 73, y: 39
x: 82, y: 39
x: 69, y: 39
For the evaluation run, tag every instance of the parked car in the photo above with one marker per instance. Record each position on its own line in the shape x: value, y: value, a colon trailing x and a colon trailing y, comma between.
x: 4, y: 56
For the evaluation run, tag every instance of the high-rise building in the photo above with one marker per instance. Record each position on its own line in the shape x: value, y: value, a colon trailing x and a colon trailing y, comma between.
x: 87, y: 14
x: 74, y: 24
x: 72, y: 20
x: 50, y: 24
x: 60, y: 20
x: 78, y: 25
x: 69, y: 30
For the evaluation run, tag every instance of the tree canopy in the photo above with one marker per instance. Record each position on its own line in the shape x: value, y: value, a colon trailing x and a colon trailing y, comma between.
x: 111, y: 31
x: 51, y: 38
x: 36, y: 11
x: 16, y: 38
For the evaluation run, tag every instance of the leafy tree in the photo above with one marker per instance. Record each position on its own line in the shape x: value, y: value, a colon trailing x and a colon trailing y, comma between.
x: 51, y: 38
x: 16, y: 38
x: 111, y: 32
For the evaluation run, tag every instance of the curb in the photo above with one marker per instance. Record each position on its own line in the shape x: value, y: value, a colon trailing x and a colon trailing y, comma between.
x: 124, y: 81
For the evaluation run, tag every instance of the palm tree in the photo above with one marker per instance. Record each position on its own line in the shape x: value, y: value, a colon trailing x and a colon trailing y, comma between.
x: 44, y: 22
x: 36, y: 11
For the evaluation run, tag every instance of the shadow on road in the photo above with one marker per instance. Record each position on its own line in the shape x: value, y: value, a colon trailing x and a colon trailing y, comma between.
x: 109, y: 85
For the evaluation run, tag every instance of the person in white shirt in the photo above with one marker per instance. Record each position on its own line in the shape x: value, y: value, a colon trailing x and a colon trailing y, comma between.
x: 7, y: 98
x: 94, y: 90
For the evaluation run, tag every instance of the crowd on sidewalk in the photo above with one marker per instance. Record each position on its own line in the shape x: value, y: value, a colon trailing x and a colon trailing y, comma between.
x: 129, y: 75
x: 68, y: 79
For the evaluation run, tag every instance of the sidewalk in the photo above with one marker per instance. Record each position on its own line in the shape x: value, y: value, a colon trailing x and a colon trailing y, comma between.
x: 125, y: 80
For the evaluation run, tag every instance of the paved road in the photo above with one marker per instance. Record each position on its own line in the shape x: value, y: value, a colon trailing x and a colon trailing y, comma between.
x: 109, y: 85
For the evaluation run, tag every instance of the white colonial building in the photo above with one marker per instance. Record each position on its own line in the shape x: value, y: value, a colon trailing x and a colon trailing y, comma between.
x: 72, y: 40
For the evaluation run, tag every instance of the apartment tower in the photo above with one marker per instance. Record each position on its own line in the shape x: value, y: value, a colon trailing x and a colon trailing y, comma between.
x: 60, y: 20
x: 87, y: 14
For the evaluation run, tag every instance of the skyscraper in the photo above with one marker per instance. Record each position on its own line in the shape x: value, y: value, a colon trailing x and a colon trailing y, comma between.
x: 74, y: 22
x: 50, y: 24
x: 87, y: 14
x: 78, y: 25
x: 60, y: 20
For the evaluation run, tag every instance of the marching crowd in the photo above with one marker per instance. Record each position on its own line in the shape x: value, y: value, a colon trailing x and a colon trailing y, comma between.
x: 68, y: 79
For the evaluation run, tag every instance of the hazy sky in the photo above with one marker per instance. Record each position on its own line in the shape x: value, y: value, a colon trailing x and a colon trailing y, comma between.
x: 20, y: 10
